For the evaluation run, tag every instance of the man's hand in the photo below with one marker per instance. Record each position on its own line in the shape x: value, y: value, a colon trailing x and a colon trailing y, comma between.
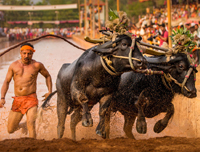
x: 46, y: 95
x: 2, y: 102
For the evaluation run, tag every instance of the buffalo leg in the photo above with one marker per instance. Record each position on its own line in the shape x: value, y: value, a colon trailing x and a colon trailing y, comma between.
x: 75, y: 119
x: 83, y: 100
x: 86, y: 118
x: 62, y: 109
x: 141, y: 125
x: 162, y: 124
x: 104, y: 113
x: 107, y: 124
x: 128, y: 125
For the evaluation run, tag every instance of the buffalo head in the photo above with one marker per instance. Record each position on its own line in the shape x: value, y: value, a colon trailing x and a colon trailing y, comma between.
x: 119, y: 51
x: 181, y: 75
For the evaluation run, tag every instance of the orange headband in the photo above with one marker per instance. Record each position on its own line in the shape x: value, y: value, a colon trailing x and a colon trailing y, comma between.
x: 27, y: 47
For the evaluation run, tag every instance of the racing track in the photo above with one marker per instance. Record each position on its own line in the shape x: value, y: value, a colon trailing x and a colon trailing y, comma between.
x: 53, y: 53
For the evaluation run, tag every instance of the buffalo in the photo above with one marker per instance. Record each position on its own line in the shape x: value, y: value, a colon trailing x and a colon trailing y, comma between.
x: 87, y: 81
x: 141, y: 95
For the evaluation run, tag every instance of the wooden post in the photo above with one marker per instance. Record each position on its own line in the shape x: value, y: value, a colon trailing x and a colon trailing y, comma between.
x: 99, y: 20
x: 117, y: 5
x: 90, y: 24
x: 106, y: 10
x: 169, y: 22
x: 93, y: 20
x: 86, y: 29
x: 80, y: 16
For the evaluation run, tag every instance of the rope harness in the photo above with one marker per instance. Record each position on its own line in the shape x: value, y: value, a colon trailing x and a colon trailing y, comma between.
x: 168, y: 77
x: 108, y: 65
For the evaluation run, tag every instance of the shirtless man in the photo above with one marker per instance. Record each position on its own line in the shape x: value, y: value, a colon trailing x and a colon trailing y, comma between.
x: 24, y: 73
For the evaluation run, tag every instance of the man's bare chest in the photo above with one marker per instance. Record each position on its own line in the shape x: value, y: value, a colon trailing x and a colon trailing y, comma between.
x: 26, y: 72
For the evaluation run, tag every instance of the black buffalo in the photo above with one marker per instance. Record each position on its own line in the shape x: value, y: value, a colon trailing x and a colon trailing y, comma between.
x: 141, y: 95
x: 85, y: 82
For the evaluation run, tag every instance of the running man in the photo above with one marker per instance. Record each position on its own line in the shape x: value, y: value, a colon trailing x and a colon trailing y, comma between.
x: 24, y: 73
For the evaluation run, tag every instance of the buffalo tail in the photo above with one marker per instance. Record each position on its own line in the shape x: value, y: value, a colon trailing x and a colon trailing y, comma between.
x: 44, y: 105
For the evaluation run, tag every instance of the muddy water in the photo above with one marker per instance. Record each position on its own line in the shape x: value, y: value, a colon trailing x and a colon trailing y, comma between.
x: 6, y: 44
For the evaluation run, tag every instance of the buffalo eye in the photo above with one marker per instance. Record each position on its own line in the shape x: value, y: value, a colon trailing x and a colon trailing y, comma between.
x: 124, y: 44
x: 181, y: 66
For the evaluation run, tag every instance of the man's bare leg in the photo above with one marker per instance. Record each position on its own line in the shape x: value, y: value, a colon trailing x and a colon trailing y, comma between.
x: 31, y: 117
x: 13, y: 121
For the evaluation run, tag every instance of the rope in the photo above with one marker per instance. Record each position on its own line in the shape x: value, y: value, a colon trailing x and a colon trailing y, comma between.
x: 106, y: 68
x: 130, y: 54
x: 35, y: 39
x: 164, y: 82
x: 149, y: 72
x: 168, y: 80
x: 182, y: 85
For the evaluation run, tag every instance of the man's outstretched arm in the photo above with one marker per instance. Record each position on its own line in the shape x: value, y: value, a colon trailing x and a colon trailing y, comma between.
x: 46, y: 74
x: 5, y: 86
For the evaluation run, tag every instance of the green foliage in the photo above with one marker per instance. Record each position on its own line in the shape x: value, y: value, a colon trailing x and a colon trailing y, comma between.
x: 112, y: 15
x: 136, y: 9
x: 183, y: 37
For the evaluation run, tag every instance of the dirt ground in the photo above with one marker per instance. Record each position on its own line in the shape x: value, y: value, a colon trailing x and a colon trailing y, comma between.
x: 92, y: 145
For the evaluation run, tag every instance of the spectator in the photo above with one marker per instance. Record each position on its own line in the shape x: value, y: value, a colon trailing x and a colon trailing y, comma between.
x: 164, y: 36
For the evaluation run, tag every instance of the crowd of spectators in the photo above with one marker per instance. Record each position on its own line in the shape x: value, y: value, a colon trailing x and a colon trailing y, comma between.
x: 153, y: 28
x: 20, y: 34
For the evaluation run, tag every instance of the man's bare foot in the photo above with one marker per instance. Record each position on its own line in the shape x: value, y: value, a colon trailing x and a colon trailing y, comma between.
x: 24, y: 128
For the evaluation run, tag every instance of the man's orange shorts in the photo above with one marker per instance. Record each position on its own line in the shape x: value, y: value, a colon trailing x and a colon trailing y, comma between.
x: 24, y: 103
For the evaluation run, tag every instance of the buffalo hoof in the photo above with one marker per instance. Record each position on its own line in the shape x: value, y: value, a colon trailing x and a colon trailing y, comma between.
x: 159, y: 126
x: 141, y: 125
x: 87, y: 120
x: 98, y: 132
x: 87, y: 123
x: 103, y: 135
x: 90, y: 122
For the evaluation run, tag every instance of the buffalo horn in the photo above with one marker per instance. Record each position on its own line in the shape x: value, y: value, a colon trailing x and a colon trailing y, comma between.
x: 153, y: 46
x: 151, y: 51
x: 86, y: 38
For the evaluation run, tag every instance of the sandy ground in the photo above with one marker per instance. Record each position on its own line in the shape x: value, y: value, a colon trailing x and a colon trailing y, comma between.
x: 53, y: 53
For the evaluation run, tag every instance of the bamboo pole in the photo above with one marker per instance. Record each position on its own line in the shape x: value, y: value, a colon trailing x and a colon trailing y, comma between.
x: 106, y: 10
x: 117, y: 5
x: 85, y: 5
x: 93, y: 20
x: 80, y: 15
x: 90, y: 2
x: 99, y: 20
x: 169, y: 22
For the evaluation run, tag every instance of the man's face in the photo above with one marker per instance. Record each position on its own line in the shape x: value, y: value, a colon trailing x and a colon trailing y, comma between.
x: 196, y: 27
x: 162, y: 28
x: 26, y: 56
